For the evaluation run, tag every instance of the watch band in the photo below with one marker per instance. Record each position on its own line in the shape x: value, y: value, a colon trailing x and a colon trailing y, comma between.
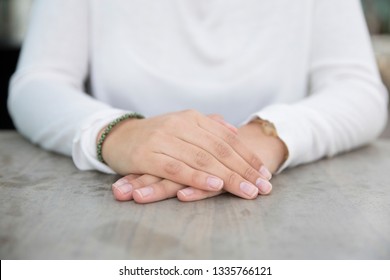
x: 269, y: 129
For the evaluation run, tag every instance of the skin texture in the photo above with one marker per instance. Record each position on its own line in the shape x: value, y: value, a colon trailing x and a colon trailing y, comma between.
x: 191, y: 156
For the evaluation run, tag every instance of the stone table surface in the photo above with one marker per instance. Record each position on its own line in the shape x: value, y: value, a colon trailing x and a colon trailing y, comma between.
x: 333, y: 209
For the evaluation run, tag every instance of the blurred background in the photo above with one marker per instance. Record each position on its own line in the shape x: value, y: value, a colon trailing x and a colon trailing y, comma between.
x: 14, y: 19
x: 377, y: 14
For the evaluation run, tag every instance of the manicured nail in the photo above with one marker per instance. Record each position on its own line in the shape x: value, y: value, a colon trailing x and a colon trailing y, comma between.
x: 123, y: 186
x: 264, y: 186
x: 265, y: 172
x: 249, y: 189
x: 214, y: 183
x: 144, y: 192
x: 187, y: 191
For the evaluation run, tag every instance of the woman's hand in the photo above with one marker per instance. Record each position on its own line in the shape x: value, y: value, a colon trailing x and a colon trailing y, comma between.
x: 147, y: 188
x: 189, y: 149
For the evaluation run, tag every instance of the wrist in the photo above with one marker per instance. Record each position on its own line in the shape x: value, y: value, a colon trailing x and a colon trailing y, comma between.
x: 262, y: 137
x: 110, y: 132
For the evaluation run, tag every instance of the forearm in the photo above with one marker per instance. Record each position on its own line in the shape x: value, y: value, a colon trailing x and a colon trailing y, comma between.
x: 48, y: 111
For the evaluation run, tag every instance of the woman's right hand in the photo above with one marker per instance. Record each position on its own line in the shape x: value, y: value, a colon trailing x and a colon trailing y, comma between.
x: 148, y: 188
x: 187, y: 148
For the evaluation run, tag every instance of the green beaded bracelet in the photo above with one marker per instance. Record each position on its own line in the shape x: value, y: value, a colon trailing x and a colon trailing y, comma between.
x: 108, y: 129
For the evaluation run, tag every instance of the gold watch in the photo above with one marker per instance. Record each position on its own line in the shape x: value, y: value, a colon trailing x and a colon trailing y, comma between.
x: 269, y: 129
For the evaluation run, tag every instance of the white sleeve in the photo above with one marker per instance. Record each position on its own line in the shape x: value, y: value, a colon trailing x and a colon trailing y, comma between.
x: 347, y: 102
x: 47, y: 100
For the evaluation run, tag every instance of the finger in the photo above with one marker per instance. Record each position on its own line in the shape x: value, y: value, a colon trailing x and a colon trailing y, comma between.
x: 199, y: 159
x: 178, y: 165
x: 191, y: 131
x: 235, y: 143
x: 192, y: 194
x: 226, y: 147
x: 220, y: 119
x: 132, y: 176
x: 192, y: 166
x: 178, y: 171
x: 124, y: 187
x: 161, y: 190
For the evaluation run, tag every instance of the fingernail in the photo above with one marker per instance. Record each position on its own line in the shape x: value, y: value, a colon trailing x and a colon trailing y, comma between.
x: 123, y: 186
x: 187, y: 191
x: 214, y: 183
x: 265, y: 172
x: 249, y: 189
x: 264, y: 186
x: 144, y: 192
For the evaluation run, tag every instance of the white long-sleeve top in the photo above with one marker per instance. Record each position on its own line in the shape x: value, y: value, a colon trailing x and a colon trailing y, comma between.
x: 305, y: 65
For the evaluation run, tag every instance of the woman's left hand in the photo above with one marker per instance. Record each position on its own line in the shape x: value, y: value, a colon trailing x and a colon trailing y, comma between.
x: 147, y: 188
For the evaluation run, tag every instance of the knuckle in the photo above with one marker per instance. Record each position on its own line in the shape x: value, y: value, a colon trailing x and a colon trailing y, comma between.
x: 255, y: 162
x: 232, y: 179
x: 202, y: 158
x: 222, y: 150
x: 195, y: 179
x: 231, y: 139
x: 190, y: 112
x: 173, y: 167
x: 138, y: 182
x: 249, y: 173
x: 162, y: 189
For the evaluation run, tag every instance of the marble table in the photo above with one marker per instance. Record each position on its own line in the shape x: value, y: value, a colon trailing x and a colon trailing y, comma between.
x: 333, y: 209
